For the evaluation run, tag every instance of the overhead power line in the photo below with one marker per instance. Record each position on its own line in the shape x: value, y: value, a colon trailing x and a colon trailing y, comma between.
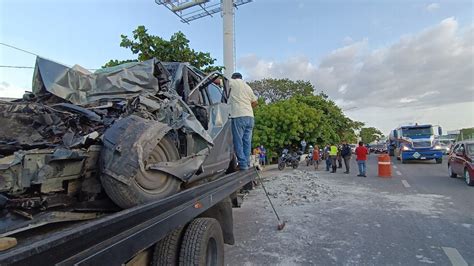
x: 19, y: 49
x: 28, y: 52
x: 28, y: 67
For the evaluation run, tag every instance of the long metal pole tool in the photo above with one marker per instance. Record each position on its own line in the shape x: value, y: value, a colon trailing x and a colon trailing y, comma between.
x: 281, y: 224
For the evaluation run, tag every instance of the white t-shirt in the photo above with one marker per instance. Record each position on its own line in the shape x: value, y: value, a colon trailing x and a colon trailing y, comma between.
x: 241, y: 98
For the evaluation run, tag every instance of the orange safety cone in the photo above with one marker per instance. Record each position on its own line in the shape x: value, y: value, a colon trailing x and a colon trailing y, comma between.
x: 385, y: 166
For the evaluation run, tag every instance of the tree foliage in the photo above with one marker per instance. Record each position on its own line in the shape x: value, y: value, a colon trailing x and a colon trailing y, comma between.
x: 370, y: 134
x: 177, y: 49
x: 284, y: 123
x: 272, y: 90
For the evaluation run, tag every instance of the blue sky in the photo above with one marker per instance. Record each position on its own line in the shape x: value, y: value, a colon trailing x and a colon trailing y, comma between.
x: 269, y: 34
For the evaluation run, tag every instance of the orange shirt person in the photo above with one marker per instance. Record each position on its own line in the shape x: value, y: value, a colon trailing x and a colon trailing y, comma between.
x: 316, y: 157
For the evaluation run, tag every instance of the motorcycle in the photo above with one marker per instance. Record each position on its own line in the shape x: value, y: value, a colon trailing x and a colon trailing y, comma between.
x: 309, y: 159
x: 287, y: 160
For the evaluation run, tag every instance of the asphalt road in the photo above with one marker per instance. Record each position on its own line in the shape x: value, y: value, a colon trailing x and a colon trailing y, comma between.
x: 419, y: 216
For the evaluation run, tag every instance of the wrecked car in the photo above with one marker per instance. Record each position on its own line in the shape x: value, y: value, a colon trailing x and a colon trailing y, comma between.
x: 138, y: 132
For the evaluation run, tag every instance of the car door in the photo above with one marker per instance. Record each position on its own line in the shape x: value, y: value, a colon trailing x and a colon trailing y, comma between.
x: 218, y: 126
x: 458, y: 165
x: 452, y: 157
x: 462, y: 159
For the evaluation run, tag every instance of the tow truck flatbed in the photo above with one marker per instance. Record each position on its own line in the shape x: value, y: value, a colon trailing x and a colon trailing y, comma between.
x: 115, y: 239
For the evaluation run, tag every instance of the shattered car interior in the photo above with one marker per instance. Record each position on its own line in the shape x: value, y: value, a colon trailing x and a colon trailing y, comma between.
x: 128, y: 134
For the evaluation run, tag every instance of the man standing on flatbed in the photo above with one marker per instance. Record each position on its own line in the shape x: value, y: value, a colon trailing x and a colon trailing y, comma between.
x: 241, y: 100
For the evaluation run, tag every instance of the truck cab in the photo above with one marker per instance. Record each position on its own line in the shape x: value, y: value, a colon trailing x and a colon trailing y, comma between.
x: 415, y: 142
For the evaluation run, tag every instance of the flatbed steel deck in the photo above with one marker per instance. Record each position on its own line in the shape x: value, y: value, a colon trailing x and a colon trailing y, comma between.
x: 116, y: 238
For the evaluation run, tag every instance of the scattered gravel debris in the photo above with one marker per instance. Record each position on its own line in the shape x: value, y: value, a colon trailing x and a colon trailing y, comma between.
x: 297, y: 187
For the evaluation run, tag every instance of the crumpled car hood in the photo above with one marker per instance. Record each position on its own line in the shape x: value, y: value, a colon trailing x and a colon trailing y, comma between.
x: 79, y: 86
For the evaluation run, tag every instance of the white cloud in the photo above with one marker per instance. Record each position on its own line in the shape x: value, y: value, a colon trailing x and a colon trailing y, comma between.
x: 429, y: 69
x: 347, y: 40
x: 432, y: 7
x: 342, y: 89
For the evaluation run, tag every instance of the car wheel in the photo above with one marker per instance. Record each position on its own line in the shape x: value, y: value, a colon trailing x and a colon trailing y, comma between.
x: 439, y: 160
x: 467, y: 177
x: 450, y: 172
x: 147, y: 185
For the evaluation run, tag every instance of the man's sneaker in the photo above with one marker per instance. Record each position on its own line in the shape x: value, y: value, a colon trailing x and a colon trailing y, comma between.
x: 359, y: 175
x: 364, y: 175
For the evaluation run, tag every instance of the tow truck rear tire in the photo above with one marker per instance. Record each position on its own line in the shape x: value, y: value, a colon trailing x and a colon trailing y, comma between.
x: 166, y: 251
x: 203, y: 243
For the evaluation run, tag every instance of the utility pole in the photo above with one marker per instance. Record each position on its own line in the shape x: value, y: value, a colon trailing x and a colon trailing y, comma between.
x: 189, y: 10
x: 228, y: 29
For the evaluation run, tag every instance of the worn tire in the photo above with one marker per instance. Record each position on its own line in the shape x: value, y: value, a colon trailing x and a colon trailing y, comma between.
x: 166, y: 251
x: 281, y: 165
x: 142, y: 189
x: 203, y: 243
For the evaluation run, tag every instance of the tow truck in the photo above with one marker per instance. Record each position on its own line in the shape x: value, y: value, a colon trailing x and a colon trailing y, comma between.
x: 127, y: 165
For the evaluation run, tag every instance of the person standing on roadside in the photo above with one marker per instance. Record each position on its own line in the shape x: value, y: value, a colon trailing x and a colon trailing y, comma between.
x: 263, y: 156
x: 361, y: 153
x: 339, y: 156
x: 346, y: 155
x: 316, y: 156
x: 333, y: 157
x: 303, y: 145
x: 326, y: 157
x: 242, y: 100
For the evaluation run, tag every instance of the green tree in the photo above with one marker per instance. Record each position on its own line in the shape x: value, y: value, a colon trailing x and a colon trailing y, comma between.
x: 284, y: 123
x: 370, y: 134
x: 272, y: 90
x: 177, y: 49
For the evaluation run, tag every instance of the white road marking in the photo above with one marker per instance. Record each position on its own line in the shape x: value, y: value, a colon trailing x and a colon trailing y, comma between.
x: 454, y: 256
x: 395, y: 167
x: 405, y: 184
x: 399, y: 173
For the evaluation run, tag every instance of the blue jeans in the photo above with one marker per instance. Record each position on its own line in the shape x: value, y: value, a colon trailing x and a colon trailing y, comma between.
x: 362, y: 167
x: 328, y: 163
x: 242, y: 135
